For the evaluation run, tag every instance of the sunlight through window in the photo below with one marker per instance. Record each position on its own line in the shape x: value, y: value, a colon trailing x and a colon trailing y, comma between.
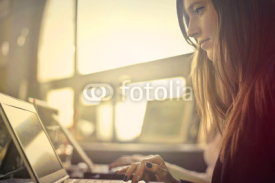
x: 104, y: 120
x: 56, y: 49
x: 62, y: 99
x: 113, y: 34
x: 130, y: 113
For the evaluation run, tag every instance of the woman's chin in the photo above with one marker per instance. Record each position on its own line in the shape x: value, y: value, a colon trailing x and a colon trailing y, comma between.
x: 210, y: 55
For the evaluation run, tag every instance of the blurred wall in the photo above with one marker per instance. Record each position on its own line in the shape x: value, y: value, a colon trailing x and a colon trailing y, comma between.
x: 19, y: 36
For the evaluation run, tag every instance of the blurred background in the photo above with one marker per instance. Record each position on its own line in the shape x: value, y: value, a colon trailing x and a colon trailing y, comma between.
x: 52, y: 49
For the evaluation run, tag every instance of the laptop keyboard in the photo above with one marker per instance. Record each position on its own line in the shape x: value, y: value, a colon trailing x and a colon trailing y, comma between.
x: 66, y: 181
x: 94, y: 181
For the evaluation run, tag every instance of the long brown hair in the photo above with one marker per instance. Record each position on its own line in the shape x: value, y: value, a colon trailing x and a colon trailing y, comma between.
x: 234, y: 93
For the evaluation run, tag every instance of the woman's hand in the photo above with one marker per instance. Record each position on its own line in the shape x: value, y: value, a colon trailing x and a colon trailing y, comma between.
x: 152, y: 168
x: 127, y: 160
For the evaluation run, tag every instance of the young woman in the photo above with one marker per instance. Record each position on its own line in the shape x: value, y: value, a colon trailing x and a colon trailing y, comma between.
x: 234, y: 82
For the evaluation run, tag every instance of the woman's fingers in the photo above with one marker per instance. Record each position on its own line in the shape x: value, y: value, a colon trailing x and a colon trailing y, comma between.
x: 149, y: 172
x: 137, y: 170
x: 130, y: 171
x: 153, y: 164
x: 154, y: 168
x: 161, y: 173
x: 150, y: 169
x: 128, y: 160
x: 136, y: 176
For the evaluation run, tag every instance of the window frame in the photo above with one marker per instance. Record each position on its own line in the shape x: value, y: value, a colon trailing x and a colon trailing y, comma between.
x: 177, y: 66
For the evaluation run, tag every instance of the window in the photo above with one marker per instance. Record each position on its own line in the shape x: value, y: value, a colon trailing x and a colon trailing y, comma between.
x: 114, y: 34
x: 115, y: 41
x: 62, y: 99
x: 56, y: 49
x: 130, y: 112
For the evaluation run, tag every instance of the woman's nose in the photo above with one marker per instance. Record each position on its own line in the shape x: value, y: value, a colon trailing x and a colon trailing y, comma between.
x: 193, y: 29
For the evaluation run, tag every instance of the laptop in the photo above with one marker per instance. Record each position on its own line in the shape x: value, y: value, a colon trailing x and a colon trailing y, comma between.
x: 52, y: 114
x: 47, y: 112
x: 33, y: 143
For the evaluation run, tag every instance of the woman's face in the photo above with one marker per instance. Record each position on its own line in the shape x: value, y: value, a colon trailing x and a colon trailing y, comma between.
x: 202, y: 24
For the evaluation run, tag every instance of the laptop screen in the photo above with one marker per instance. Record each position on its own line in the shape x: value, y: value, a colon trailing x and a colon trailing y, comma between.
x: 33, y: 140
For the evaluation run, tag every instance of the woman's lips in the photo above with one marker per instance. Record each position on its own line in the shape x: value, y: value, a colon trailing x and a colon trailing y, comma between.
x: 204, y: 44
